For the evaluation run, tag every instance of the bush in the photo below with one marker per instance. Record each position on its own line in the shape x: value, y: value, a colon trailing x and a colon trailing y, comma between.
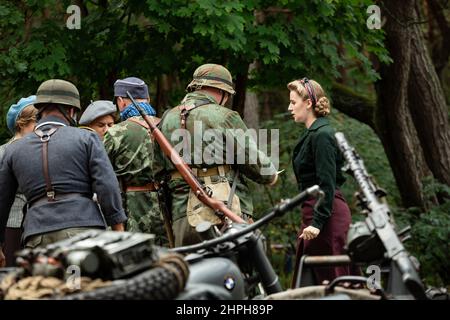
x: 430, y: 235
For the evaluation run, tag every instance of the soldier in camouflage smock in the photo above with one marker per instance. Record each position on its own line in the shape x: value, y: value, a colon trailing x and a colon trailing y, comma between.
x: 205, y: 113
x: 130, y: 150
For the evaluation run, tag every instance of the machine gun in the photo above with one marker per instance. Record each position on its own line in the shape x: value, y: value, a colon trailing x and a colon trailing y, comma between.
x: 108, y: 255
x: 375, y: 239
x: 114, y: 266
x: 231, y: 266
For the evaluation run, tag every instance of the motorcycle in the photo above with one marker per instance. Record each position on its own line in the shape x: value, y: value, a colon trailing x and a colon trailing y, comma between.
x: 232, y: 264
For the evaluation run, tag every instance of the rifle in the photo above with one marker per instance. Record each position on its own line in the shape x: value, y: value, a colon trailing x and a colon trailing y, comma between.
x: 164, y: 201
x: 218, y: 206
x: 382, y: 240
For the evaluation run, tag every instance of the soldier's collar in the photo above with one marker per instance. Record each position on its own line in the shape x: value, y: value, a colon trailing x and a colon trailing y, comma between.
x: 198, y: 95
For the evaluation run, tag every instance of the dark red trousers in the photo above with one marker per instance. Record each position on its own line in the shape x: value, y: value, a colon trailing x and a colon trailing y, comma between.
x: 331, y: 239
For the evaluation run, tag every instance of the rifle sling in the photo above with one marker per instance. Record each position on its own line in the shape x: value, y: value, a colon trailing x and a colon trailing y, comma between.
x: 184, y: 110
x: 144, y: 124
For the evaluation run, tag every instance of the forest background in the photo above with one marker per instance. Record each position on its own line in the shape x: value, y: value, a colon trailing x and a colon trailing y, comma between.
x: 384, y: 65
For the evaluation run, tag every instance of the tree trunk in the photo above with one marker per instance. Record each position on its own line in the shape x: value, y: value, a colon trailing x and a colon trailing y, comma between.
x: 353, y: 104
x: 392, y: 118
x: 106, y: 87
x: 240, y: 87
x: 251, y: 110
x: 441, y: 47
x: 162, y: 93
x: 267, y: 107
x: 428, y: 108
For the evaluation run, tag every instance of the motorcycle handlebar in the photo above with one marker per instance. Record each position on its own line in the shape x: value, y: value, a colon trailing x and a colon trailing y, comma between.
x: 279, y: 210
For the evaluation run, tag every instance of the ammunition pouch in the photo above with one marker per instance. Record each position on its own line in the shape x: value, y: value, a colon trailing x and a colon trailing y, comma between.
x: 197, y: 211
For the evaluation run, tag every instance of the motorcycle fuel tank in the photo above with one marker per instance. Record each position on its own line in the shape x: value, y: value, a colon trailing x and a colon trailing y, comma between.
x: 213, y: 278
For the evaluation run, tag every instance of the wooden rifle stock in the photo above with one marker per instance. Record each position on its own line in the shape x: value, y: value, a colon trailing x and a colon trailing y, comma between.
x: 185, y: 170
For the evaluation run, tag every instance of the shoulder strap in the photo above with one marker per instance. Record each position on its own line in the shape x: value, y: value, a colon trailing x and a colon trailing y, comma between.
x: 184, y: 110
x: 143, y: 123
x: 45, y: 136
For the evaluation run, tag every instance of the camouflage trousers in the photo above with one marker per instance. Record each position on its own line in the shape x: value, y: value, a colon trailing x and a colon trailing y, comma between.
x: 186, y: 235
x: 144, y: 215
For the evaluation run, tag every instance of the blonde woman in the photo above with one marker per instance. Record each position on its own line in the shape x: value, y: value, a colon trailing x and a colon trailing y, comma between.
x: 20, y: 119
x: 317, y: 160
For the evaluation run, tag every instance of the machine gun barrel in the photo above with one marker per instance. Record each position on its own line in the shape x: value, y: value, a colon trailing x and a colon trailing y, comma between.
x: 357, y: 168
x: 378, y: 220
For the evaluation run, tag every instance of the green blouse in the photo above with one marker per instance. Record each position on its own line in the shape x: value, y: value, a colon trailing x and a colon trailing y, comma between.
x: 317, y: 160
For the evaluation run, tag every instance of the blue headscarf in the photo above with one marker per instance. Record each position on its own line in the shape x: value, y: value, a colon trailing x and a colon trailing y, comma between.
x: 131, y: 111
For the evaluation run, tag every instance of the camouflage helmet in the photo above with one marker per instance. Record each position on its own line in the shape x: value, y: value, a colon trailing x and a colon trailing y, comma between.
x: 212, y: 75
x: 59, y: 92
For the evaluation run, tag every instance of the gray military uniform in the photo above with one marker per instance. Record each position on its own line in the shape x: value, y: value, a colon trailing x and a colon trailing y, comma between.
x: 78, y: 167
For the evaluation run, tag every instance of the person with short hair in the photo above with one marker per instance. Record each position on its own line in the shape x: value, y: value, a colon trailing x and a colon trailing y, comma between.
x: 130, y: 149
x: 58, y: 168
x: 317, y: 160
x: 99, y: 116
x: 203, y: 110
x: 20, y: 119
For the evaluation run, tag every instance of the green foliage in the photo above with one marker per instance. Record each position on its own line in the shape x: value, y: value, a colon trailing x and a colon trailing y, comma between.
x: 281, y: 233
x: 430, y: 235
x: 155, y: 37
x: 430, y: 230
x: 288, y: 38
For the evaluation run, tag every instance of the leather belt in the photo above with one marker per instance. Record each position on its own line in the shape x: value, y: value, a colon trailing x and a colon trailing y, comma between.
x: 204, y: 172
x: 147, y: 187
x: 58, y: 196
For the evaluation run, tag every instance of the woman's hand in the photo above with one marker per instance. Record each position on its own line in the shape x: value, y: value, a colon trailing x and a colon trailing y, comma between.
x: 274, y: 180
x: 310, y: 233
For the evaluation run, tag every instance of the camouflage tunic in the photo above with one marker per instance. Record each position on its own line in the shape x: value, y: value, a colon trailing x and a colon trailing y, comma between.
x: 130, y: 150
x: 219, y: 118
